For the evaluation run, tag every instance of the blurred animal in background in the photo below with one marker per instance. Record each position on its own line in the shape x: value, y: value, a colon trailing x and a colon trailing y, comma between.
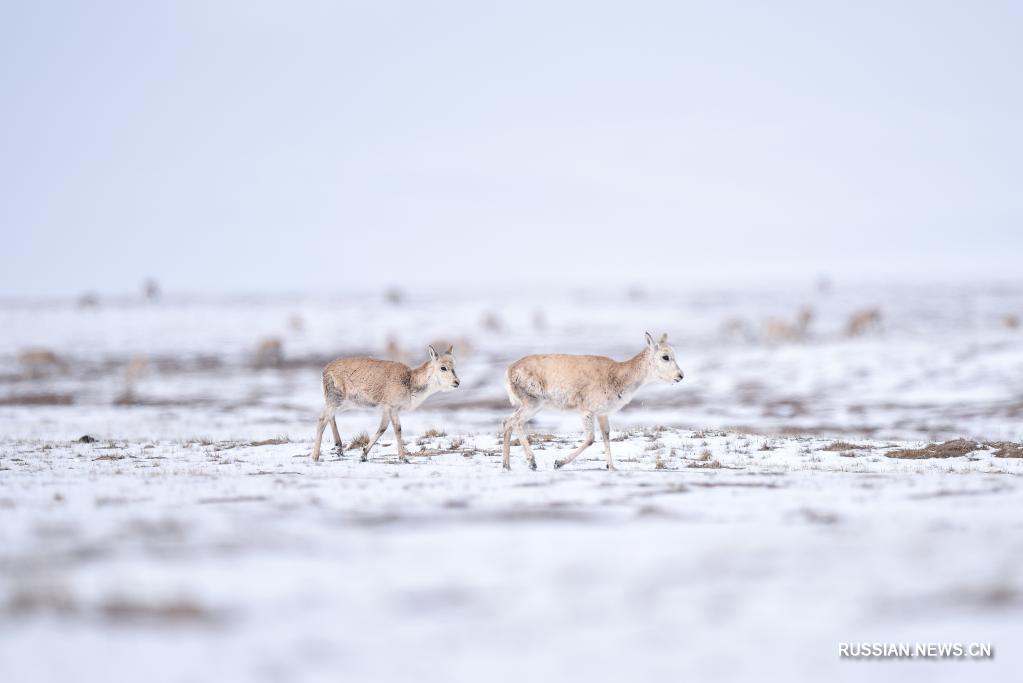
x: 394, y: 351
x: 635, y: 293
x: 151, y: 290
x: 776, y: 331
x: 464, y: 344
x: 88, y: 300
x: 539, y: 320
x: 38, y: 363
x: 296, y: 323
x: 394, y: 296
x: 372, y: 383
x: 863, y: 321
x: 595, y: 386
x: 737, y: 329
x: 492, y: 323
x: 1010, y: 322
x: 269, y: 353
x: 133, y: 372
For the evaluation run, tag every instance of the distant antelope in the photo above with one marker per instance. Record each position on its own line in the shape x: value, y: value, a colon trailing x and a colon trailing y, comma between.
x: 593, y: 385
x: 863, y: 321
x: 269, y: 353
x: 40, y: 362
x: 371, y: 383
x: 781, y: 330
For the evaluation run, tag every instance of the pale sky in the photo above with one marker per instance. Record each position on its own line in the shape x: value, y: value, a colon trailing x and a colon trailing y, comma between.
x: 313, y: 146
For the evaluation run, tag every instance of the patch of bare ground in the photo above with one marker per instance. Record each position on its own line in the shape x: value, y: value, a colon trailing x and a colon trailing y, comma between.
x: 37, y: 400
x: 947, y: 493
x: 818, y: 516
x: 111, y: 456
x: 949, y: 449
x: 56, y: 600
x: 737, y: 484
x: 171, y: 612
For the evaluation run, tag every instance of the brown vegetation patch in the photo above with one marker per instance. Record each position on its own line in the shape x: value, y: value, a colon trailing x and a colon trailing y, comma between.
x: 712, y: 465
x: 361, y: 440
x: 1007, y: 449
x: 843, y: 446
x: 949, y: 449
x: 175, y: 611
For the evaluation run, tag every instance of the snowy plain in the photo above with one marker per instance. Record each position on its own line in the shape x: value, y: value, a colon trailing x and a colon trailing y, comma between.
x: 756, y: 522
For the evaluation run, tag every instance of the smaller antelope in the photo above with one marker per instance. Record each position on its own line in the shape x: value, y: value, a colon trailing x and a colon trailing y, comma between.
x: 41, y: 362
x: 371, y: 383
x: 593, y: 385
x: 863, y: 321
x: 781, y: 330
x: 269, y: 353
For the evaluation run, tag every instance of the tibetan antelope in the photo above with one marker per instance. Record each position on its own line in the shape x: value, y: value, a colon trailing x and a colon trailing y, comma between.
x: 593, y: 385
x: 391, y: 386
x: 863, y: 321
x: 782, y: 331
x: 39, y: 363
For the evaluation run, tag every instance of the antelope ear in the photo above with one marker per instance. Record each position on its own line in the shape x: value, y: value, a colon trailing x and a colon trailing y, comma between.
x: 649, y: 340
x: 433, y: 352
x: 451, y: 350
x: 664, y: 338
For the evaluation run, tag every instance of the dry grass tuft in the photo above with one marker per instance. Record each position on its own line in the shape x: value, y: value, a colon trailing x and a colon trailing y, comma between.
x: 456, y: 443
x: 1007, y: 449
x: 434, y: 434
x: 361, y: 440
x: 841, y: 446
x: 712, y: 465
x: 705, y: 454
x: 949, y: 449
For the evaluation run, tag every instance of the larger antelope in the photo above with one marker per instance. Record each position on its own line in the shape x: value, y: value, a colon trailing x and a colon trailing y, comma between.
x: 371, y: 383
x: 593, y: 385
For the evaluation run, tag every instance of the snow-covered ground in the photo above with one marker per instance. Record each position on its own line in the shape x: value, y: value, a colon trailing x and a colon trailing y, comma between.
x: 756, y: 522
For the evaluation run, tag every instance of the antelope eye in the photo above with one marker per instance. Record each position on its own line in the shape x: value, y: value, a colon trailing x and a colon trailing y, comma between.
x: 443, y: 369
x: 665, y: 358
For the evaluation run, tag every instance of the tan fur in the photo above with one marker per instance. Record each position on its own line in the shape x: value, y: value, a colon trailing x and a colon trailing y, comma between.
x: 269, y: 353
x: 40, y: 362
x: 863, y: 321
x: 595, y: 386
x: 372, y: 383
x: 782, y: 330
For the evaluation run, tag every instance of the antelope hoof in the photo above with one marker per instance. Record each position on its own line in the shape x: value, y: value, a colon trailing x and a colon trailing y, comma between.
x: 611, y: 468
x: 558, y: 464
x: 365, y: 456
x: 532, y: 464
x: 402, y: 458
x: 506, y: 467
x: 339, y: 449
